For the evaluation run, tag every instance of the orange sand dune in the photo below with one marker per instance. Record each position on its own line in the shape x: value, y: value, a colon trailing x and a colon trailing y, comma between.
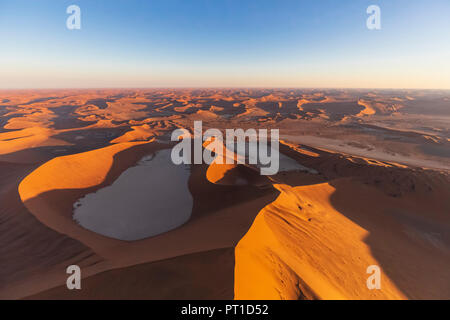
x: 235, y: 174
x: 73, y: 172
x: 309, y: 236
x: 212, y: 226
x: 117, y: 111
x: 139, y: 133
x: 27, y: 138
x: 203, y: 115
x: 232, y: 174
x: 40, y: 118
x: 80, y: 171
x: 215, y: 109
x: 368, y: 110
x: 317, y: 241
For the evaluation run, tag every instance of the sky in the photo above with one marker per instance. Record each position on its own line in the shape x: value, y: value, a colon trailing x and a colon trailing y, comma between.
x: 225, y: 43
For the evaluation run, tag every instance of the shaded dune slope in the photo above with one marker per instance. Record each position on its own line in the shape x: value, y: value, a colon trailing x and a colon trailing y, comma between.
x: 29, y: 248
x: 184, y: 277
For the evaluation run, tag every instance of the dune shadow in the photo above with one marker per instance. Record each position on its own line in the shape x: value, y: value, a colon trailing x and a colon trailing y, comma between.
x: 412, y: 251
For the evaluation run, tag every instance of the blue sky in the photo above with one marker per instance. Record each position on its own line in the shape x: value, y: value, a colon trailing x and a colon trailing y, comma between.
x: 231, y: 43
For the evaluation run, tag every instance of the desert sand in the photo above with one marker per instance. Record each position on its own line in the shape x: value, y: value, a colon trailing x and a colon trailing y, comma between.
x: 365, y: 181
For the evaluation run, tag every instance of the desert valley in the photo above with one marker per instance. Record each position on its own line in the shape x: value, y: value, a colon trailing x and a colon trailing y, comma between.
x: 86, y: 179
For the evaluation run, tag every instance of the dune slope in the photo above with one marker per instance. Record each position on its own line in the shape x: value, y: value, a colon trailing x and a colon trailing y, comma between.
x: 318, y: 240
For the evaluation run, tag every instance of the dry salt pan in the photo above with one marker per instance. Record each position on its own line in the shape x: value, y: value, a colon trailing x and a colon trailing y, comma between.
x: 146, y: 200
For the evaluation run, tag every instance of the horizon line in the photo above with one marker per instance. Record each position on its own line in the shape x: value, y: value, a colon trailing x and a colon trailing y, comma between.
x: 220, y: 87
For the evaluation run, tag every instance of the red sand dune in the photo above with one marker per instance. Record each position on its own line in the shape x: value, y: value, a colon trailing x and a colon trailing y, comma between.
x: 380, y: 195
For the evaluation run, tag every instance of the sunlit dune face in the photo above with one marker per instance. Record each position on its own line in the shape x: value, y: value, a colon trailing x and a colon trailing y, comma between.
x: 71, y: 172
x: 27, y: 138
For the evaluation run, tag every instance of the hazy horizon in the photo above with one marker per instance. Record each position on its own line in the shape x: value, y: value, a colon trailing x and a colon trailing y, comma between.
x: 219, y: 88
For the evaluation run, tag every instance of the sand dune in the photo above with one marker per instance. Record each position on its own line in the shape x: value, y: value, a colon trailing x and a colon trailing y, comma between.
x: 71, y: 172
x: 235, y: 174
x: 138, y: 133
x: 365, y: 181
x: 210, y: 227
x: 311, y: 242
x: 27, y: 138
